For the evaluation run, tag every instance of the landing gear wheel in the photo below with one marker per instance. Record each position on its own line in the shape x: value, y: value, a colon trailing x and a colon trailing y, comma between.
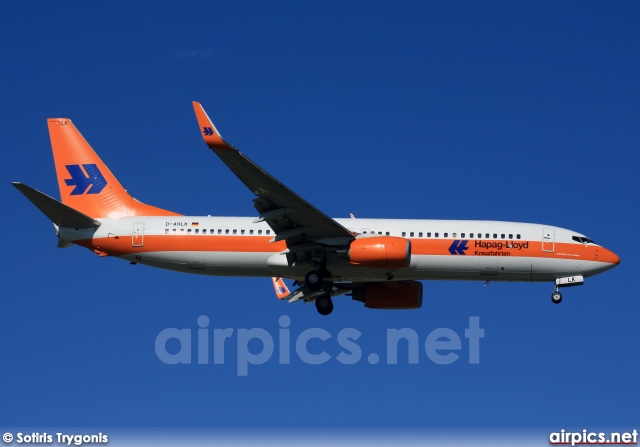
x: 324, y: 304
x: 314, y: 281
x: 556, y: 297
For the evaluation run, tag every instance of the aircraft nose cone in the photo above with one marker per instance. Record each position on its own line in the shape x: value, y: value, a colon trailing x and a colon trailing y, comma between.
x: 616, y: 258
x: 610, y: 257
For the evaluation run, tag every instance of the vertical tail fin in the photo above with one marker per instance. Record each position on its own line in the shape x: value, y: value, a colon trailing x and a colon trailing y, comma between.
x: 86, y: 183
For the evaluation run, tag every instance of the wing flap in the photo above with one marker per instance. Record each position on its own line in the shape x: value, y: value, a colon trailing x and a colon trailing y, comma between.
x: 308, y: 296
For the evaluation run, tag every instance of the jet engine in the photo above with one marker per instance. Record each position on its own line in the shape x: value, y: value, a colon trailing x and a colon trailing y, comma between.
x: 384, y: 252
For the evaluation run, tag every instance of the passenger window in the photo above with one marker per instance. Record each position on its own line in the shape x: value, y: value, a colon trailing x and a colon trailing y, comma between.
x: 259, y: 231
x: 387, y: 233
x: 511, y: 236
x: 226, y: 231
x: 241, y: 231
x: 502, y: 236
x: 517, y: 236
x: 250, y: 231
x: 462, y: 235
x: 189, y: 230
x: 235, y: 231
x: 420, y: 234
x: 446, y: 235
x: 219, y: 230
x: 380, y: 232
x: 174, y: 230
x: 495, y: 236
x: 268, y: 231
x: 211, y: 231
x: 454, y: 235
x: 404, y: 234
x: 429, y: 234
x: 197, y: 231
x: 411, y: 234
x: 471, y: 235
x: 486, y: 235
x: 181, y: 230
x: 436, y: 234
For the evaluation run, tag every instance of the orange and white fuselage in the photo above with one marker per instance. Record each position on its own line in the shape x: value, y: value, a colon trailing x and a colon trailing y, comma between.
x: 379, y: 261
x: 235, y: 246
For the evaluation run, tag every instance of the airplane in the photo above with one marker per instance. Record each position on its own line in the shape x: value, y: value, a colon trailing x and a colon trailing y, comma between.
x: 380, y: 262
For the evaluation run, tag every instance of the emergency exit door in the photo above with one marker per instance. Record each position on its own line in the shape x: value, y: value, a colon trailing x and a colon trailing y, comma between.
x: 138, y: 234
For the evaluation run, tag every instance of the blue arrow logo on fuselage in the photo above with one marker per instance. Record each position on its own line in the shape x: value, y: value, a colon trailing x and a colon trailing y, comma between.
x: 458, y: 247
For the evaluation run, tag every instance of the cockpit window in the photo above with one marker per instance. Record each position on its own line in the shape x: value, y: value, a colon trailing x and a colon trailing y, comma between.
x: 582, y: 240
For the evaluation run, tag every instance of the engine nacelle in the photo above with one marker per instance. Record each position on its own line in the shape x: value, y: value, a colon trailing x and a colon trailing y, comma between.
x: 390, y: 295
x: 383, y: 252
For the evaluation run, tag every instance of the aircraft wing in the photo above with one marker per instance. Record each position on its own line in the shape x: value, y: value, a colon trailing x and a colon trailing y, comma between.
x: 293, y: 219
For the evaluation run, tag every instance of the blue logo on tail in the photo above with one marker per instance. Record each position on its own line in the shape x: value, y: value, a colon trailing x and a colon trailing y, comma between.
x: 93, y: 179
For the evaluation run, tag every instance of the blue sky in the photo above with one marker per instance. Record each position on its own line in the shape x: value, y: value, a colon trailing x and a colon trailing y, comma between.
x: 500, y: 110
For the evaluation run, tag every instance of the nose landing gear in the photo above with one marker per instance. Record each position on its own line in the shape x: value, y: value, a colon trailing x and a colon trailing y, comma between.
x: 567, y: 281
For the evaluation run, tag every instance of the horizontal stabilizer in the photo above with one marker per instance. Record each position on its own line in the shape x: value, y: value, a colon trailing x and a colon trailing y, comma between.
x: 59, y: 213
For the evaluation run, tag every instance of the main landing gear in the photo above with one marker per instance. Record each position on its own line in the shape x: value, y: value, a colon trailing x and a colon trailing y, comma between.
x: 315, y: 282
x: 556, y: 296
x: 324, y: 304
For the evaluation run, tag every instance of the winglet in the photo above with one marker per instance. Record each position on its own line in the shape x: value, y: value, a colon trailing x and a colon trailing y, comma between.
x: 209, y: 132
x: 280, y: 288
